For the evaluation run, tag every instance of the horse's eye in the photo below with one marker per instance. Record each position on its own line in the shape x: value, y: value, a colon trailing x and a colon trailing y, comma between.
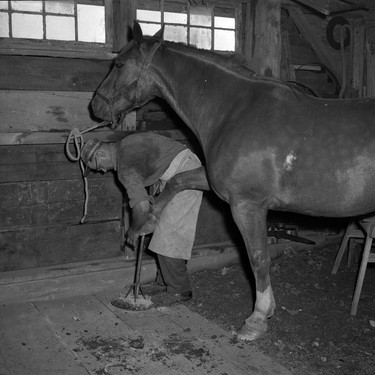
x: 119, y: 64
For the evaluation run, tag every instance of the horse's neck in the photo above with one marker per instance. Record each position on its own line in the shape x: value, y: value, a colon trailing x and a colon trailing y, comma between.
x: 184, y: 90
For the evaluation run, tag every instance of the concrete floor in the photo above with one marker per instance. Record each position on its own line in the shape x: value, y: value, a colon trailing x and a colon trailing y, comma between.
x: 87, y: 335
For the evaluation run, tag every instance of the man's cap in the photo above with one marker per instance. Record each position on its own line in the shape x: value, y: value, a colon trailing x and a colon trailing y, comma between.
x: 89, y: 149
x: 88, y: 152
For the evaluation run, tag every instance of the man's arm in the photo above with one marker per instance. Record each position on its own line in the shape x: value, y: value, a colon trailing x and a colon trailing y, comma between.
x: 139, y: 216
x: 138, y: 201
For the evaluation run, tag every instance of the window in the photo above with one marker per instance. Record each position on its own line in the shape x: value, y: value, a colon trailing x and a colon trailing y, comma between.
x: 44, y: 24
x: 208, y: 27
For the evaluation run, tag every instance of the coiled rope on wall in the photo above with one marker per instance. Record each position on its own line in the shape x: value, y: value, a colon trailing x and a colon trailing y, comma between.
x: 76, y: 136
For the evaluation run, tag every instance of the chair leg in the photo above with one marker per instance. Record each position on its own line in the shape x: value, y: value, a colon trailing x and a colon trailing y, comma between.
x: 342, y: 248
x: 361, y: 275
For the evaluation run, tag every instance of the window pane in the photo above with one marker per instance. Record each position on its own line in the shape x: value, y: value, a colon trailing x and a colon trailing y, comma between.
x: 175, y: 33
x: 148, y: 15
x: 225, y: 22
x: 150, y: 28
x: 175, y: 18
x: 4, y: 25
x: 201, y: 38
x: 91, y: 23
x: 200, y: 16
x: 30, y: 6
x: 27, y: 26
x: 60, y: 28
x: 3, y: 5
x: 60, y: 7
x: 224, y: 40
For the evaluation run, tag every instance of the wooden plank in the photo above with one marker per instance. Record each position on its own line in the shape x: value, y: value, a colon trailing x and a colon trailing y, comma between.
x: 262, y: 35
x: 29, y: 111
x: 32, y: 154
x: 18, y: 195
x: 358, y: 58
x: 39, y: 171
x: 36, y: 138
x: 240, y: 356
x: 56, y: 48
x: 54, y: 74
x: 28, y: 247
x: 270, y: 31
x: 101, y: 338
x: 58, y: 202
x: 123, y: 17
x: 29, y: 346
x: 370, y: 55
x: 328, y: 7
x: 105, y: 274
x: 88, y: 328
x: 182, y: 328
x: 176, y: 341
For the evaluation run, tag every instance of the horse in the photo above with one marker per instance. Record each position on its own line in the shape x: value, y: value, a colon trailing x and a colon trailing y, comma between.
x: 267, y: 146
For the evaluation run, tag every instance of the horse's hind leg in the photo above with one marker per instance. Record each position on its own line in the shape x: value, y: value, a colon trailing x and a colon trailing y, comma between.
x: 252, y: 223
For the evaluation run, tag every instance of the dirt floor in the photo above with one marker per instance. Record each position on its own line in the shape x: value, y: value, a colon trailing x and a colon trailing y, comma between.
x: 312, y: 331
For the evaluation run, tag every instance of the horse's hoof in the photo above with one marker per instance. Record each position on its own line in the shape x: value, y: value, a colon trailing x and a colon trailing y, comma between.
x: 252, y: 331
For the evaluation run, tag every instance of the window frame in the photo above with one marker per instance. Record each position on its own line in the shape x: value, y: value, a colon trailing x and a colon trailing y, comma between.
x: 61, y: 48
x: 235, y: 5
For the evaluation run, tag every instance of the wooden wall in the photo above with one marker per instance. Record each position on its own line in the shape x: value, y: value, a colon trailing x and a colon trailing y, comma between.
x: 43, y: 98
x: 304, y: 32
x: 42, y: 193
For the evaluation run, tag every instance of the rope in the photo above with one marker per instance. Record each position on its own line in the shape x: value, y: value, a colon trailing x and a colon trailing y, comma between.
x: 76, y: 136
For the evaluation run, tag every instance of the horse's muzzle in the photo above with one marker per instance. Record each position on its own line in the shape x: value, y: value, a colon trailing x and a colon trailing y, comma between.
x: 101, y: 109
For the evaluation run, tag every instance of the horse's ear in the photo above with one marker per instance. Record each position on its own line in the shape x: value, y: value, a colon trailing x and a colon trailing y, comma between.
x: 137, y: 32
x: 160, y: 34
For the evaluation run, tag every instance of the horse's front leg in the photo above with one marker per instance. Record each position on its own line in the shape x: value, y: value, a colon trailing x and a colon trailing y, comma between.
x: 195, y: 179
x: 252, y: 223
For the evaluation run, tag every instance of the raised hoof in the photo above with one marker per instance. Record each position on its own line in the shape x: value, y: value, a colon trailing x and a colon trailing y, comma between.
x: 252, y: 331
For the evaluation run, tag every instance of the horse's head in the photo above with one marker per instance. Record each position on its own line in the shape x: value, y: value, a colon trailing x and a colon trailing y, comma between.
x: 129, y: 84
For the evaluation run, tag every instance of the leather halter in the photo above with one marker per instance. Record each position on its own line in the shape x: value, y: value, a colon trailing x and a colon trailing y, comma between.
x: 134, y: 85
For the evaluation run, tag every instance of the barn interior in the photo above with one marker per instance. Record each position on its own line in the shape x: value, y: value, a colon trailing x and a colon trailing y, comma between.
x: 54, y: 55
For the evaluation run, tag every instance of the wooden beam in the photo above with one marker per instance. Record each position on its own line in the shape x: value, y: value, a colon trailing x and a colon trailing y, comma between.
x: 370, y: 62
x: 52, y: 74
x: 38, y: 203
x: 38, y: 246
x: 310, y: 34
x: 124, y: 14
x: 358, y: 58
x: 38, y: 138
x: 28, y: 111
x: 263, y: 37
x: 328, y: 7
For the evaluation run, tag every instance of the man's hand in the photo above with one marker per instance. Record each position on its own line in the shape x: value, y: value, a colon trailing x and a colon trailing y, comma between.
x: 140, y: 214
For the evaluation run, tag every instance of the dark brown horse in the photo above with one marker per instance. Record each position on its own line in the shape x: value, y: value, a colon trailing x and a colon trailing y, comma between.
x: 266, y: 145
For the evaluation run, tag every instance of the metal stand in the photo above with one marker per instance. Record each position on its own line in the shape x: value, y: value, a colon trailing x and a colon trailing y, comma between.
x: 136, y: 286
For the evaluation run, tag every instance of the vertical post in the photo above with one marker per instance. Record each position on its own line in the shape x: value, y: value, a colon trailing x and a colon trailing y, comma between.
x: 262, y: 36
x: 124, y: 12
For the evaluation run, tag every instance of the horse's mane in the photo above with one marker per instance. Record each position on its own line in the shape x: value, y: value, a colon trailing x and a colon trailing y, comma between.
x: 231, y: 61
